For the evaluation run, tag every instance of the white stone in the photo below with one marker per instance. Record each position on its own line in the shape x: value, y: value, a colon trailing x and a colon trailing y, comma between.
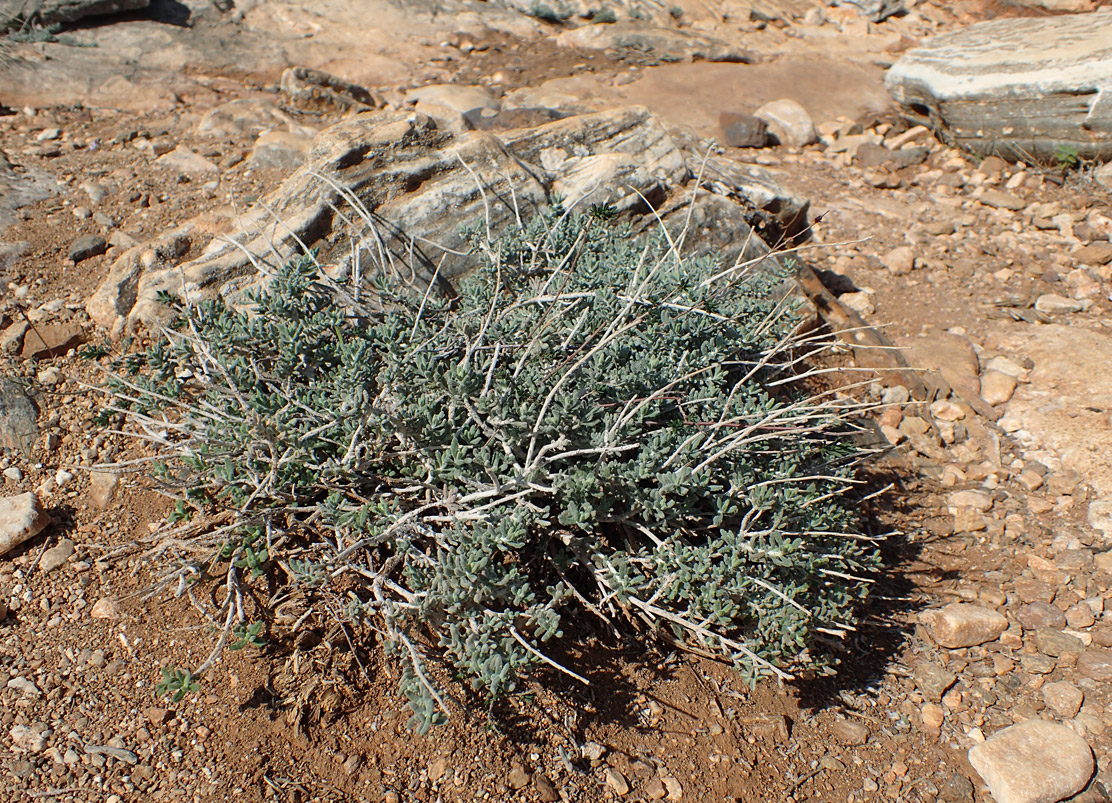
x: 789, y: 122
x: 25, y: 740
x: 1063, y: 697
x: 461, y: 99
x: 21, y: 518
x: 962, y: 625
x: 1053, y: 304
x: 997, y: 387
x: 978, y: 500
x: 1019, y: 87
x: 1033, y: 762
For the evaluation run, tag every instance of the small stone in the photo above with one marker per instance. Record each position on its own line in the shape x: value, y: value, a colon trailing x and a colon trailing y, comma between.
x: 976, y: 500
x: 932, y: 680
x: 352, y: 764
x: 1040, y: 615
x: 1033, y: 762
x: 56, y: 557
x: 546, y: 790
x: 1031, y: 480
x: 87, y: 247
x: 963, y: 625
x: 186, y: 162
x: 1098, y: 253
x: 999, y: 199
x: 105, y: 608
x: 997, y: 387
x: 968, y: 520
x: 1063, y: 698
x: 654, y: 789
x: 1052, y: 304
x: 849, y: 732
x: 1055, y: 642
x: 900, y: 261
x: 616, y: 781
x: 49, y: 377
x: 102, y: 487
x: 958, y: 789
x: 25, y: 740
x: 946, y: 410
x: 933, y: 716
x: 1096, y: 664
x: 158, y: 716
x: 517, y: 778
x: 592, y: 751
x: 743, y: 130
x: 97, y: 192
x: 1080, y: 616
x: 24, y: 686
x: 789, y: 122
x: 1038, y: 664
x: 672, y: 785
x: 21, y: 518
x: 51, y: 340
x: 440, y: 766
x: 13, y: 473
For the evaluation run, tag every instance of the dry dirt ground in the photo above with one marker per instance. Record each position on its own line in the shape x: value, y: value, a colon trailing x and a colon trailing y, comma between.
x: 317, y: 717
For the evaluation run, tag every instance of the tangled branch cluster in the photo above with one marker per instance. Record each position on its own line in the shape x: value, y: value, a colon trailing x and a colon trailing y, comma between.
x: 594, y: 426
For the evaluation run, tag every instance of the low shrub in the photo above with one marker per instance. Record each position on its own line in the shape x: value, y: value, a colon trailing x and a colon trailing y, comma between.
x: 595, y: 426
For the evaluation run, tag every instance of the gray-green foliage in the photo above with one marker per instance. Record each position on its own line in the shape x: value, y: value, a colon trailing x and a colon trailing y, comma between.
x: 593, y: 427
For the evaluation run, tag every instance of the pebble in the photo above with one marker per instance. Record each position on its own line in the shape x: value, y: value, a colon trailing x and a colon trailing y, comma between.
x: 1096, y: 664
x: 848, y: 732
x: 26, y: 740
x: 1052, y: 304
x: 963, y: 625
x: 999, y: 199
x: 789, y: 122
x: 1040, y: 615
x: 1033, y: 762
x: 97, y: 192
x: 616, y: 781
x: 997, y: 387
x: 546, y: 790
x: 13, y: 473
x: 1098, y: 253
x: 933, y: 716
x: 21, y: 518
x: 958, y: 789
x: 517, y: 778
x: 437, y: 769
x: 899, y: 261
x: 1063, y: 698
x: 87, y: 247
x: 741, y: 130
x: 104, y: 608
x: 933, y: 681
x: 1056, y: 643
x: 977, y: 500
x: 56, y: 557
x: 946, y: 410
x: 24, y: 686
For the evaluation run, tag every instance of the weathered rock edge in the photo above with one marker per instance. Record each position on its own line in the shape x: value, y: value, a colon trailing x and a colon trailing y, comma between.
x: 1023, y: 88
x: 419, y: 185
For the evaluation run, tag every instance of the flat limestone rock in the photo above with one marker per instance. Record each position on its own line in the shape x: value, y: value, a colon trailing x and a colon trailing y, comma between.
x: 1026, y: 88
x: 48, y: 12
x: 405, y: 173
x: 1033, y: 762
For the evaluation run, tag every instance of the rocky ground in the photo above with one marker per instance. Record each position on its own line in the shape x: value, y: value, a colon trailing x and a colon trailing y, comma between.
x: 994, y: 275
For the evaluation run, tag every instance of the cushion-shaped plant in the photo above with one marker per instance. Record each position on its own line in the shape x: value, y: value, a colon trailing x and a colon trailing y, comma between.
x: 595, y: 426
